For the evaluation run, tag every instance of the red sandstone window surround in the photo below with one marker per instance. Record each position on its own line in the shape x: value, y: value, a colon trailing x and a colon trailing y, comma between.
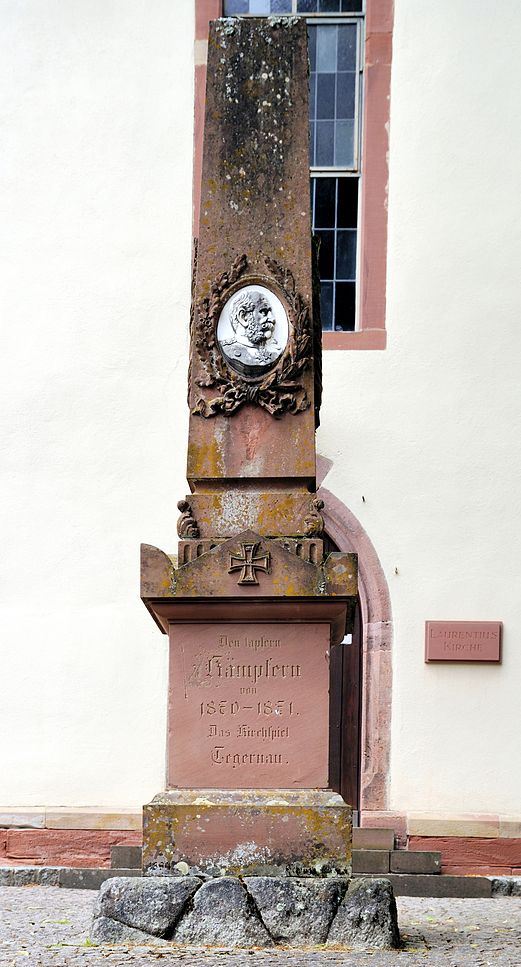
x: 372, y: 203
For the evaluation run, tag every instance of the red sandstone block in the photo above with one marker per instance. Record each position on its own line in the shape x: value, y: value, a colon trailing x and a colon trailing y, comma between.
x: 67, y: 847
x: 470, y: 851
x: 383, y: 819
x: 477, y: 870
x: 3, y: 842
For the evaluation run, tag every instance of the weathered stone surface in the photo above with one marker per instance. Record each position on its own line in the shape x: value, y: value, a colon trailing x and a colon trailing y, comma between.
x: 375, y: 838
x: 105, y: 930
x: 247, y: 833
x: 297, y: 911
x: 125, y: 857
x: 501, y: 885
x: 152, y: 904
x: 370, y: 861
x: 415, y: 861
x: 29, y: 875
x: 421, y: 884
x: 90, y: 879
x: 254, y: 202
x: 367, y: 916
x: 222, y: 913
x: 66, y: 847
x: 505, y: 885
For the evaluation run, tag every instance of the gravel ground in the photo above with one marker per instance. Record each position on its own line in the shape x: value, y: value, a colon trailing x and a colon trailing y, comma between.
x: 49, y: 926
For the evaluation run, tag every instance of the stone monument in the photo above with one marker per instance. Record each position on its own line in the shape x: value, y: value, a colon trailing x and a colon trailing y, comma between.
x: 252, y: 607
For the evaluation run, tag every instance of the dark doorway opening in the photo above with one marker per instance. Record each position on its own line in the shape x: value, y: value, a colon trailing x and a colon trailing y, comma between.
x: 345, y: 711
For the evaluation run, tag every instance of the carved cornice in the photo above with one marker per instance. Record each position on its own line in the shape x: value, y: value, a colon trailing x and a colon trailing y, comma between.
x: 280, y: 390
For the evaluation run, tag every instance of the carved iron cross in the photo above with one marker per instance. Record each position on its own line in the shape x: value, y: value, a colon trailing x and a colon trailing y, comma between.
x: 248, y: 564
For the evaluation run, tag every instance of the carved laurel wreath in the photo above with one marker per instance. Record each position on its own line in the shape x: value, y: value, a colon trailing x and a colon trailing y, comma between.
x: 279, y: 391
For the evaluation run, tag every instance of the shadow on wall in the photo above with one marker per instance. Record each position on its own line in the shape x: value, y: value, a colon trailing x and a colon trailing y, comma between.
x: 348, y: 534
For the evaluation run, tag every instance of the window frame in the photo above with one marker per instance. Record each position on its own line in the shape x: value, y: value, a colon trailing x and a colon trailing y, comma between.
x: 375, y: 63
x: 343, y: 171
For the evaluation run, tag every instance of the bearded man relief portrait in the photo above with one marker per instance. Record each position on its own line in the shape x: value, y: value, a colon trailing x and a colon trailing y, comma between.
x: 253, y: 330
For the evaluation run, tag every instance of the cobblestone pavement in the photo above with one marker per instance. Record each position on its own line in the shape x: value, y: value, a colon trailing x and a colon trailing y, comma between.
x: 48, y: 927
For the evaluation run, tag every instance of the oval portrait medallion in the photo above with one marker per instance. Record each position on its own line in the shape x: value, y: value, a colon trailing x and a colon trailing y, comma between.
x: 253, y: 330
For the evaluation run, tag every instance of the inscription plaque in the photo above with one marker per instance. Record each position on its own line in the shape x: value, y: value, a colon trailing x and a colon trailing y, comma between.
x: 463, y: 641
x: 248, y: 705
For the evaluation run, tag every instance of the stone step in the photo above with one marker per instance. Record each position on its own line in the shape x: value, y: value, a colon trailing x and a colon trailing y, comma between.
x: 374, y: 861
x: 76, y: 878
x: 68, y: 877
x: 421, y: 885
x: 415, y: 861
x: 126, y: 857
x: 378, y: 838
x: 396, y: 861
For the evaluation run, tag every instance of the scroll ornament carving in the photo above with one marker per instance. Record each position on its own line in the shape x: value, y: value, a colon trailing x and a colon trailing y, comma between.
x: 280, y: 390
x: 186, y: 523
x: 313, y: 521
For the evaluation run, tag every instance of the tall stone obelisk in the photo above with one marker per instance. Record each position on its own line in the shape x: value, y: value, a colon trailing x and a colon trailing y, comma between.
x: 252, y: 608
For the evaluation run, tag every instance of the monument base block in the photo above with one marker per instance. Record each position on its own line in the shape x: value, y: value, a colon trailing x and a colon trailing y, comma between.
x: 253, y: 832
x: 258, y: 911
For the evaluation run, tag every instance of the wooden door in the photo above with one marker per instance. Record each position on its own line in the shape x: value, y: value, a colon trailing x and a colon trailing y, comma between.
x: 345, y: 707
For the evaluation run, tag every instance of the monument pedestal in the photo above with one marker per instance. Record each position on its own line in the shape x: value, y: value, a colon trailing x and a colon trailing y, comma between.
x: 248, y: 712
x: 253, y: 832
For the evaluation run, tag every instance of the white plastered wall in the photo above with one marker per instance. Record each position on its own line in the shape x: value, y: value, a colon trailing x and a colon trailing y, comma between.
x: 96, y: 126
x: 430, y: 430
x: 96, y: 123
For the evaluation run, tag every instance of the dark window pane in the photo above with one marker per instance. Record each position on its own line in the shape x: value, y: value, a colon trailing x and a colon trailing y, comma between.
x: 326, y: 305
x: 312, y: 48
x: 326, y: 256
x: 346, y: 254
x: 329, y: 6
x: 280, y: 6
x: 307, y: 6
x: 260, y: 7
x: 326, y: 96
x: 325, y: 154
x: 325, y: 191
x: 344, y: 143
x: 326, y: 48
x: 345, y: 95
x: 312, y: 144
x: 235, y: 6
x: 346, y: 47
x: 345, y: 306
x: 347, y: 202
x: 352, y: 6
x: 312, y: 96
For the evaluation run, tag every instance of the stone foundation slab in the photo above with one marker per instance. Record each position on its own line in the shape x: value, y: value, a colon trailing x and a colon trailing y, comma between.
x: 251, y: 912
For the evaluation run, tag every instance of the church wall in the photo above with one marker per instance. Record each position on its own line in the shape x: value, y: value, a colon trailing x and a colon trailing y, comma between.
x: 427, y: 431
x: 96, y: 242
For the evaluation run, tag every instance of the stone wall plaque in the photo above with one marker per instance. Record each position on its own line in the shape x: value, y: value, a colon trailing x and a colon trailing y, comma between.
x: 475, y: 641
x: 248, y: 706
